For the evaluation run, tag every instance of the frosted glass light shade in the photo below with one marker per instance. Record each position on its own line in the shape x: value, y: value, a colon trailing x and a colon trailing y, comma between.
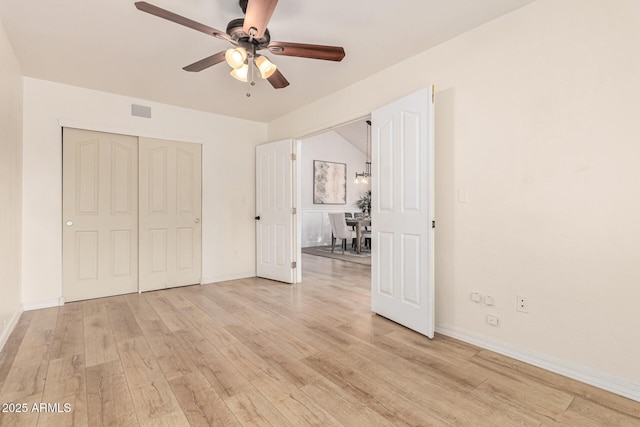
x: 235, y: 57
x: 266, y: 67
x: 240, y: 73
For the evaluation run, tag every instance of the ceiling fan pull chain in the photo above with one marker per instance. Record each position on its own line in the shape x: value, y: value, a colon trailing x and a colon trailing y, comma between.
x: 251, y: 67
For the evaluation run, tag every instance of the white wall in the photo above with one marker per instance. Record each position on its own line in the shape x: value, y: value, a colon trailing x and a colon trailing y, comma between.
x: 10, y: 186
x: 331, y: 147
x: 537, y: 117
x: 228, y: 178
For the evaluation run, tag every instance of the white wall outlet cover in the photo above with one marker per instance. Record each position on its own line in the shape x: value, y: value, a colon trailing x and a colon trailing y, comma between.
x: 493, y: 320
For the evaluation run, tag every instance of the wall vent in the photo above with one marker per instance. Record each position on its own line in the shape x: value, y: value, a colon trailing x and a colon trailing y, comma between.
x: 141, y: 111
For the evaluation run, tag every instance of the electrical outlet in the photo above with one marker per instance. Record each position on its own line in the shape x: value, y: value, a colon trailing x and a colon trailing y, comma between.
x: 493, y: 320
x: 522, y: 304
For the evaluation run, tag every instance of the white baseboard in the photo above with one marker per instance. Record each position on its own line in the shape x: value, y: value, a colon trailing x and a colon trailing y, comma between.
x: 580, y: 373
x: 45, y: 303
x: 4, y: 336
x: 227, y: 277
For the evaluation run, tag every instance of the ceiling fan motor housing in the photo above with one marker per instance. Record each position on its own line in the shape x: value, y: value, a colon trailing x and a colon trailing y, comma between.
x: 234, y: 29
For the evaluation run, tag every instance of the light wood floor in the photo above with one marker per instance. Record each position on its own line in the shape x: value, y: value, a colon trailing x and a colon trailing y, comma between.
x: 255, y: 352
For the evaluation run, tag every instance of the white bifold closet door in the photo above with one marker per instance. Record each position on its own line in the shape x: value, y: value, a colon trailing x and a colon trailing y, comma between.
x: 131, y: 214
x: 170, y: 209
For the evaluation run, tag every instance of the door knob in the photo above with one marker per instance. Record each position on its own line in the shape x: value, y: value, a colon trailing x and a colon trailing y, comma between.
x: 197, y: 220
x: 68, y: 223
x: 258, y: 218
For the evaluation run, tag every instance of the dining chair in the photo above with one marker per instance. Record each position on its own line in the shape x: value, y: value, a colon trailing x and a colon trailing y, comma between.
x: 366, y: 236
x: 340, y: 230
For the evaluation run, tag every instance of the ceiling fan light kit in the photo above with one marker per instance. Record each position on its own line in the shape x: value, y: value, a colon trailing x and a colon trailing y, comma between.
x: 235, y: 57
x: 266, y: 67
x: 249, y: 35
x: 240, y: 73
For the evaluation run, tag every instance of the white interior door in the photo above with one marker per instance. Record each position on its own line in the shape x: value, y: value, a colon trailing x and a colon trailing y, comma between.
x: 274, y: 211
x: 100, y: 214
x: 170, y: 212
x: 402, y: 274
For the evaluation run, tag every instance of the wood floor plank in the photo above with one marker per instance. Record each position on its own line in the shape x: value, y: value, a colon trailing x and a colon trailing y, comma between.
x: 26, y: 378
x: 122, y: 321
x: 258, y: 352
x: 300, y: 409
x: 600, y: 414
x: 165, y: 345
x: 200, y: 403
x: 10, y: 350
x: 65, y: 394
x: 109, y: 401
x: 376, y: 396
x: 507, y: 366
x: 166, y: 311
x: 223, y: 376
x: 344, y: 407
x: 152, y: 396
x: 212, y: 330
x: 100, y: 344
x: 253, y: 409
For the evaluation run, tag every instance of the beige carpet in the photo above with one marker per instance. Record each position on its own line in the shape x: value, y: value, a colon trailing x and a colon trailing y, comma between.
x: 349, y: 255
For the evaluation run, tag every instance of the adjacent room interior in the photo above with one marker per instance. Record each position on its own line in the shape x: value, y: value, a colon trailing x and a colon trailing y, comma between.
x: 348, y: 147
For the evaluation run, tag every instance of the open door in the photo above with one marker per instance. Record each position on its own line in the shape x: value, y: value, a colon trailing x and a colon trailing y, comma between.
x: 402, y: 274
x: 274, y: 212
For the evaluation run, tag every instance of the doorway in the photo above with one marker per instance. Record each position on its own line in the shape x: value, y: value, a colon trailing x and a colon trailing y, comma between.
x: 402, y: 211
x: 346, y: 150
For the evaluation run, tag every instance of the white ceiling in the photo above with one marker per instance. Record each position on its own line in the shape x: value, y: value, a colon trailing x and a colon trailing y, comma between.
x: 355, y: 133
x: 109, y: 45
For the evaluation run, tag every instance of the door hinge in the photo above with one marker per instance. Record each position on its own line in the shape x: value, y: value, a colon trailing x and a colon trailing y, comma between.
x: 293, y: 211
x: 293, y: 156
x: 433, y: 224
x: 293, y: 264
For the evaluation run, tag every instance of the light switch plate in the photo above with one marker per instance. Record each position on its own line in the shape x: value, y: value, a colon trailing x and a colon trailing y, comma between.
x: 463, y: 195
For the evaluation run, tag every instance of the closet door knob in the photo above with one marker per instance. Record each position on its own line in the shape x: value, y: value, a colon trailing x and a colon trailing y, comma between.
x: 69, y: 223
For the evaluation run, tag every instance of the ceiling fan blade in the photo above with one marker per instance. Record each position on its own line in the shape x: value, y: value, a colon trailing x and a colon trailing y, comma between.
x: 313, y: 51
x: 207, y: 62
x: 277, y: 80
x: 170, y: 16
x: 258, y: 16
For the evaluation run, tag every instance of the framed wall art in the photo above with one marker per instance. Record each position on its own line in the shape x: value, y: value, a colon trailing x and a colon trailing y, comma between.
x: 329, y: 183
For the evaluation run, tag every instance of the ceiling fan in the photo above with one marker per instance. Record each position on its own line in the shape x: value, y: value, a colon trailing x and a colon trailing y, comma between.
x: 249, y: 35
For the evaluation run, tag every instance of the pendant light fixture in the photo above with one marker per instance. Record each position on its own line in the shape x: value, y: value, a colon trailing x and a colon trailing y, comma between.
x: 363, y: 177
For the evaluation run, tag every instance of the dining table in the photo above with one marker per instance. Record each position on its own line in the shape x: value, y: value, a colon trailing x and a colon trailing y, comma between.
x: 358, y: 223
